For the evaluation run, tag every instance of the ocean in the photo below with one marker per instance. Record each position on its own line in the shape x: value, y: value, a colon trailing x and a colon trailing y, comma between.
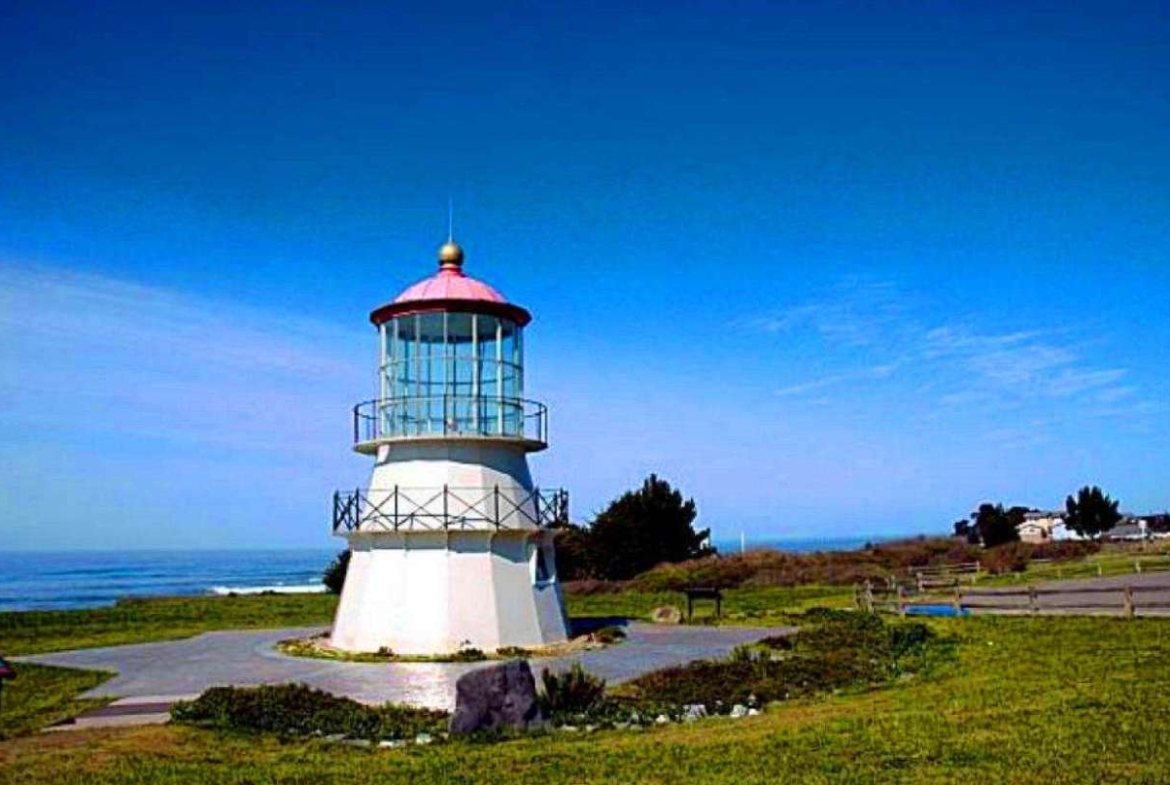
x: 57, y: 581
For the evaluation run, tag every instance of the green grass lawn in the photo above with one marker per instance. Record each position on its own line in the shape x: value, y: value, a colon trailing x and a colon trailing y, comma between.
x: 42, y: 695
x: 753, y: 607
x: 1024, y: 700
x: 140, y: 621
x: 1112, y: 560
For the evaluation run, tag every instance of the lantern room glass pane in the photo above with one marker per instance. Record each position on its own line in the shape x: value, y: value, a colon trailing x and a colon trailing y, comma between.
x: 448, y: 373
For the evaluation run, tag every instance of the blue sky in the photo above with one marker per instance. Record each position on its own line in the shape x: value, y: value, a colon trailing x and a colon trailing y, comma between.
x: 836, y: 269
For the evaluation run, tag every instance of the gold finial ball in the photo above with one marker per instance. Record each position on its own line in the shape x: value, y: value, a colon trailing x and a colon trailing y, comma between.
x: 451, y: 255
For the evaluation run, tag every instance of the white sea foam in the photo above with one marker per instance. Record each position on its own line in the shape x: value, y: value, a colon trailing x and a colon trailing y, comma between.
x: 306, y: 588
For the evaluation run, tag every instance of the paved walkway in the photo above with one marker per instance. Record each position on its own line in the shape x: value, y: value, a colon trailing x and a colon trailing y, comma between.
x: 164, y: 671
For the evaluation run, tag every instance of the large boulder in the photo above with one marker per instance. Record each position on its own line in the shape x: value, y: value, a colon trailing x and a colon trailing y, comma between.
x: 495, y: 697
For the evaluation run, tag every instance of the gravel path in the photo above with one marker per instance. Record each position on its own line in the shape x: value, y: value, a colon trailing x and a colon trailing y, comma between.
x: 189, y: 666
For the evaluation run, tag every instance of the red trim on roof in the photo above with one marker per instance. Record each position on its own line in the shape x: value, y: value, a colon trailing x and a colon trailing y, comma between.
x: 489, y: 307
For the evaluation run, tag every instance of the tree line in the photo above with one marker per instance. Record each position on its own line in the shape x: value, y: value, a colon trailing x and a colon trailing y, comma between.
x: 1090, y: 514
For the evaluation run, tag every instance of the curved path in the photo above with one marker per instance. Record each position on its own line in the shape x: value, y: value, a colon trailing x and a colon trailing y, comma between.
x: 172, y: 669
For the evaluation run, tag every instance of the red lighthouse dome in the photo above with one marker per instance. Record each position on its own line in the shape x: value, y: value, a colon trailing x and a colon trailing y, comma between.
x: 451, y: 289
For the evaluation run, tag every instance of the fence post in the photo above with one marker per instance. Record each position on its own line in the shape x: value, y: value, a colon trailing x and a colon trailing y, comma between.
x: 1033, y: 600
x: 902, y: 601
x: 867, y: 597
x: 1129, y: 608
x: 1099, y: 571
x: 921, y: 583
x: 1137, y: 566
x: 958, y: 603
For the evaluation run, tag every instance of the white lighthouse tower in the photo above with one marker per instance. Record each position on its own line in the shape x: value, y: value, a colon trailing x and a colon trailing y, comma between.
x: 450, y: 542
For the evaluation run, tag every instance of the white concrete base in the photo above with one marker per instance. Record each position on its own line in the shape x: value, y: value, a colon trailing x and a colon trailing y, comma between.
x: 424, y: 592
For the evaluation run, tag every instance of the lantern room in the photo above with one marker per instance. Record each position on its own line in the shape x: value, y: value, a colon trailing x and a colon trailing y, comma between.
x: 451, y: 365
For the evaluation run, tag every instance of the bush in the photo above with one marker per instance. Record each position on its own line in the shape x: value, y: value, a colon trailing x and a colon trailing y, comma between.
x: 334, y: 577
x: 573, y: 692
x: 609, y: 634
x: 298, y: 710
x: 835, y: 649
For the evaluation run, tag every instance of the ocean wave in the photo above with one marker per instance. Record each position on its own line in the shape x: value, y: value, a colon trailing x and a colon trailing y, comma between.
x: 305, y: 588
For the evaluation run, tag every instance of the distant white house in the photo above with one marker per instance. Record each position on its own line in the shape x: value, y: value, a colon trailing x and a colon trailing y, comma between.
x: 1044, y: 525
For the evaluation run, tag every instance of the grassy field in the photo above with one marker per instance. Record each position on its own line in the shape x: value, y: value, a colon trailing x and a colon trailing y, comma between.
x: 1024, y: 700
x: 42, y: 695
x: 1112, y: 560
x: 751, y: 607
x: 139, y: 621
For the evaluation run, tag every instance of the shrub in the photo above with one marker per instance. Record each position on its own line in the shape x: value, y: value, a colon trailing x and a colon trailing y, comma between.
x: 573, y: 692
x: 299, y: 710
x: 334, y: 576
x: 609, y: 634
x: 834, y: 649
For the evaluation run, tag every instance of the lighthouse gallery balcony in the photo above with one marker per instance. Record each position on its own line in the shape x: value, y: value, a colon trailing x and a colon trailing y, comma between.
x: 430, y: 417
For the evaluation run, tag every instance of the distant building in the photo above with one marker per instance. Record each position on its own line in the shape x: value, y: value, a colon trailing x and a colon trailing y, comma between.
x: 1042, y: 526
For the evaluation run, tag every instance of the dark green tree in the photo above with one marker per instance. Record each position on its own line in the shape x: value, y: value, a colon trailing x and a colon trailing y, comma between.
x: 995, y: 526
x: 334, y: 577
x: 966, y: 530
x: 1092, y: 513
x: 574, y: 553
x: 643, y: 528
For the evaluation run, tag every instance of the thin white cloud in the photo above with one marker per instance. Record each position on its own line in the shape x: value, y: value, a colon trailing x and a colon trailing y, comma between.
x: 82, y: 354
x: 870, y: 331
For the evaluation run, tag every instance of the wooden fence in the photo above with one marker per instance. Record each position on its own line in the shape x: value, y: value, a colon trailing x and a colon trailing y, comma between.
x: 1124, y: 600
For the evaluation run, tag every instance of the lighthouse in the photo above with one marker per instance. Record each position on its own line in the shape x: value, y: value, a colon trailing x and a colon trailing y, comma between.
x: 450, y: 542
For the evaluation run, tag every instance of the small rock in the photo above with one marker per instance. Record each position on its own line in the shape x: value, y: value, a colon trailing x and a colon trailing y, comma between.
x: 753, y: 712
x: 738, y: 711
x: 424, y: 738
x: 568, y: 728
x: 635, y: 719
x: 392, y: 744
x: 662, y: 719
x: 636, y: 727
x: 621, y: 725
x: 693, y: 712
x: 666, y: 614
x: 357, y: 742
x: 590, y: 728
x: 333, y: 738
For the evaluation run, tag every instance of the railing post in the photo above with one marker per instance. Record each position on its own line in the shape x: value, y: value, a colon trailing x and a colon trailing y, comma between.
x: 446, y: 513
x: 497, y: 506
x: 336, y: 502
x: 1033, y: 600
x: 396, y: 518
x: 1129, y: 608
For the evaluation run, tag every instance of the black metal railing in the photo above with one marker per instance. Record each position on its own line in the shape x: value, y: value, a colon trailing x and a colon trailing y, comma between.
x: 450, y: 415
x: 448, y: 508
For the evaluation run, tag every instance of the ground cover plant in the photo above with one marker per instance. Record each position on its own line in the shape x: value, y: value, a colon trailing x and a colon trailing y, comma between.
x: 292, y: 710
x: 834, y: 650
x: 1048, y: 699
